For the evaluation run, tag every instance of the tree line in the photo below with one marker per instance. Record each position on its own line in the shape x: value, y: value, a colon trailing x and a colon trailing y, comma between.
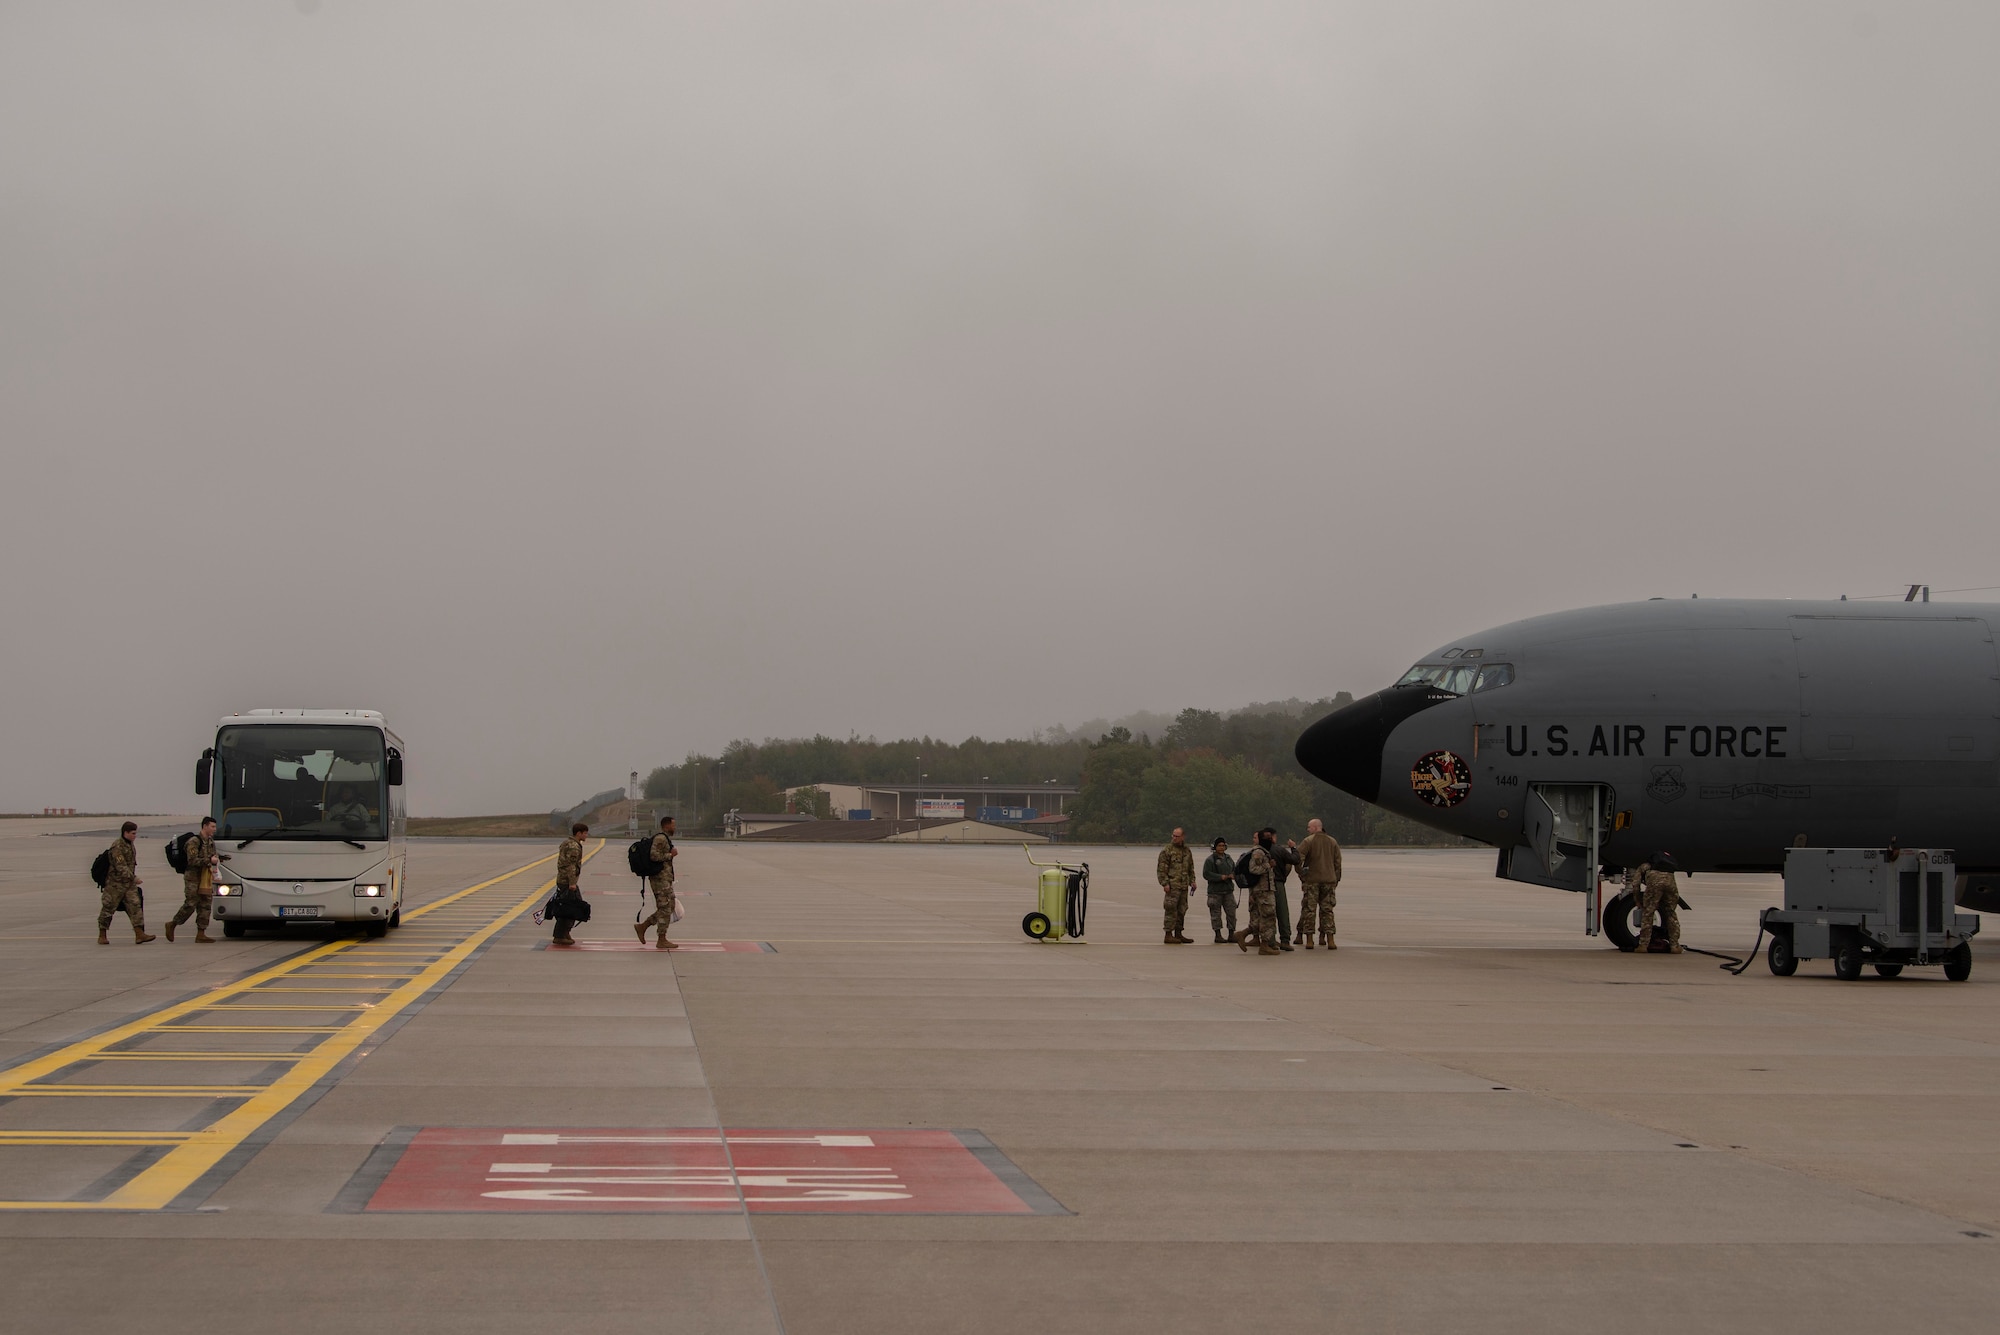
x: 1212, y: 772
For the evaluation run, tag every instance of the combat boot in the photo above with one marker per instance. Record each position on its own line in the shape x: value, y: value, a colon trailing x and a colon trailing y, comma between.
x: 1218, y: 938
x: 170, y: 929
x: 140, y: 938
x: 1183, y: 939
x: 1242, y: 940
x: 201, y: 938
x: 1326, y: 941
x: 1272, y: 950
x: 1306, y: 941
x: 640, y: 928
x: 1170, y: 940
x: 666, y: 944
x: 1284, y: 946
x: 1674, y: 949
x: 103, y: 939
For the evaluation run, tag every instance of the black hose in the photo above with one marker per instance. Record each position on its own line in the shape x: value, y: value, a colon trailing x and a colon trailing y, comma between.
x: 1733, y: 965
x: 1077, y: 901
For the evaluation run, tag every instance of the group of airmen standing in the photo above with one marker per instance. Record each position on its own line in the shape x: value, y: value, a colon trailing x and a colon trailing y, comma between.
x: 1263, y: 875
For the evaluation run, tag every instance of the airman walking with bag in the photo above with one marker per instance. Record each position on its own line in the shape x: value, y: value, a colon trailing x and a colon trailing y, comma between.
x: 661, y: 883
x: 198, y: 881
x: 121, y: 888
x: 569, y: 892
x: 1262, y: 870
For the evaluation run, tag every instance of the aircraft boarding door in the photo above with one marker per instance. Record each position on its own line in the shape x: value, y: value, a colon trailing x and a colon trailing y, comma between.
x: 1564, y: 828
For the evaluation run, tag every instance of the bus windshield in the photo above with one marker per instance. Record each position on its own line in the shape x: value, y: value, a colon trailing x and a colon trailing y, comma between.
x: 294, y: 781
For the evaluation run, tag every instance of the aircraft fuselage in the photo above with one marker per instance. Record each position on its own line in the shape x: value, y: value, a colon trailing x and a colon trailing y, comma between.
x: 1723, y: 731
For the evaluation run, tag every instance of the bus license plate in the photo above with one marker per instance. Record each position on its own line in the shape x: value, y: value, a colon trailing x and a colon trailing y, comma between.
x: 298, y: 910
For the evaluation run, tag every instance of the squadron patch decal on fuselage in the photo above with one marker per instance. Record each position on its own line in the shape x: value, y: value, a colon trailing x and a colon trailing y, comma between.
x: 1441, y: 778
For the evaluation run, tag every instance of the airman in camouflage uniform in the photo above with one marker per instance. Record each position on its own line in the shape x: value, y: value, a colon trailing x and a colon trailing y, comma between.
x: 1263, y: 898
x: 198, y: 883
x: 121, y: 889
x: 569, y: 869
x: 1220, y: 873
x: 1319, y: 878
x: 1658, y: 893
x: 1176, y: 873
x: 661, y: 883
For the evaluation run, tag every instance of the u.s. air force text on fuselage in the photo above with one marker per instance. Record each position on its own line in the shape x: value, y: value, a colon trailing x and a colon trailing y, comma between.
x: 1721, y: 729
x: 1753, y: 741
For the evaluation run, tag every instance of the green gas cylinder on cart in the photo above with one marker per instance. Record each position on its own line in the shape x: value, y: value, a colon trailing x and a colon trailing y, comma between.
x: 1060, y: 896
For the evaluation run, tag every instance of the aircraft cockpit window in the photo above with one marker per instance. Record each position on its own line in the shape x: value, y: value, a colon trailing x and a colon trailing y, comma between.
x: 1444, y: 676
x: 1493, y: 676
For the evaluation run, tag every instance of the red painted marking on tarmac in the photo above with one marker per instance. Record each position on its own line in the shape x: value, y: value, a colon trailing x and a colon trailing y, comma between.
x: 569, y: 1170
x: 695, y: 947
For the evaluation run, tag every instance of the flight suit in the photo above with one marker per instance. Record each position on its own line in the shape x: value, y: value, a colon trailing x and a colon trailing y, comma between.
x: 1220, y: 873
x: 661, y: 883
x: 1319, y: 877
x: 569, y: 868
x: 121, y: 889
x: 1176, y: 876
x: 197, y: 885
x: 1263, y: 900
x: 1282, y: 861
x: 1660, y: 894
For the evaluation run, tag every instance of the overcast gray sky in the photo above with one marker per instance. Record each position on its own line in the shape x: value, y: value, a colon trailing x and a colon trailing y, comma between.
x: 584, y: 383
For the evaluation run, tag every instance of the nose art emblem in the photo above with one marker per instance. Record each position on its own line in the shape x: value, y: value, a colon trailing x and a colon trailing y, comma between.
x: 1441, y: 778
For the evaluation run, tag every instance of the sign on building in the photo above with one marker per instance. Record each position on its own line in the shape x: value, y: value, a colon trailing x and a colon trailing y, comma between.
x: 941, y: 808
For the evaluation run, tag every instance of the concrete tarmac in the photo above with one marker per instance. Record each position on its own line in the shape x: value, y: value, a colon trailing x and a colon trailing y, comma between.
x: 1470, y: 1117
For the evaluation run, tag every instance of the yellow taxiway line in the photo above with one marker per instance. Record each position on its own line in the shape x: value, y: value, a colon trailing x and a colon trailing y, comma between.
x: 194, y: 1153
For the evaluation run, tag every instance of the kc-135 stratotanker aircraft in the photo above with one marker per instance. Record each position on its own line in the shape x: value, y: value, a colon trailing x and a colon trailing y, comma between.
x: 1722, y: 731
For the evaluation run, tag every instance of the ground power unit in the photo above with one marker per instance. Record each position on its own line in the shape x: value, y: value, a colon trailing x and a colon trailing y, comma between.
x: 1862, y: 907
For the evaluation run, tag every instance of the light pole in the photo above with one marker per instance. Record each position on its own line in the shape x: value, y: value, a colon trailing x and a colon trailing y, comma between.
x: 918, y: 801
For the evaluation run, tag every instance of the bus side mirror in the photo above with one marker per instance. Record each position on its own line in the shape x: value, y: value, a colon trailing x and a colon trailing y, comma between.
x: 201, y: 768
x: 395, y: 768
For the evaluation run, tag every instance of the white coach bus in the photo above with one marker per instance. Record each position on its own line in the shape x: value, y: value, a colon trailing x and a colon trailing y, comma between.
x: 309, y: 808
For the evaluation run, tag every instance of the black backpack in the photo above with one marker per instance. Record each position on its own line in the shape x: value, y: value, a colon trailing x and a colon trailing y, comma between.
x: 1243, y: 877
x: 100, y: 870
x: 177, y: 852
x: 639, y: 857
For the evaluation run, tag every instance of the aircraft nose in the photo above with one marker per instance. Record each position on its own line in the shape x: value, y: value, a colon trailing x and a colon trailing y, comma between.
x: 1345, y: 747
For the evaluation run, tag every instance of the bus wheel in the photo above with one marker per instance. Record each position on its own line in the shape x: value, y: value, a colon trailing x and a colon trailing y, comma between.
x: 377, y: 930
x: 396, y: 916
x: 232, y: 929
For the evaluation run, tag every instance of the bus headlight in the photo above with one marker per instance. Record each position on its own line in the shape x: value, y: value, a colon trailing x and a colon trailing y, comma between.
x: 368, y: 891
x: 224, y: 890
